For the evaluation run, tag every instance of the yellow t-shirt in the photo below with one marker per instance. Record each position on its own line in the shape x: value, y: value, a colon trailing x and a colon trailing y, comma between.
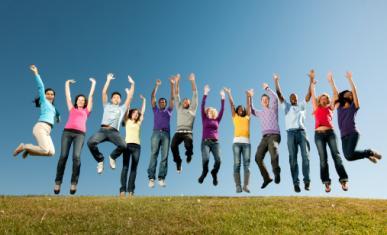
x: 132, y: 132
x: 241, y: 126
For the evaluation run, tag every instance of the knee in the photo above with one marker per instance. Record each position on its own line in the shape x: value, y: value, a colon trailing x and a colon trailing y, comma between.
x: 91, y: 143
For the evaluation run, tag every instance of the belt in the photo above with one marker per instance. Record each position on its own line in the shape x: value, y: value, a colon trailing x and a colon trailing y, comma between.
x: 183, y: 131
x: 208, y: 139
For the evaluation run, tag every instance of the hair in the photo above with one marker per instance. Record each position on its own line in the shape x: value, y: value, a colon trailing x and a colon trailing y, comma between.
x: 320, y: 96
x: 115, y: 93
x: 37, y: 99
x: 265, y: 95
x: 244, y: 110
x: 214, y: 110
x: 162, y: 98
x: 342, y: 100
x: 128, y: 115
x: 76, y: 99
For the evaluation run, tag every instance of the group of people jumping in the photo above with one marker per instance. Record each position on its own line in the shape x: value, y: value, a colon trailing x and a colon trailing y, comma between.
x: 116, y: 114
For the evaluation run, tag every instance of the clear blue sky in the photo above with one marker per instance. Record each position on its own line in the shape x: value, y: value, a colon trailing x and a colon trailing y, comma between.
x: 239, y: 44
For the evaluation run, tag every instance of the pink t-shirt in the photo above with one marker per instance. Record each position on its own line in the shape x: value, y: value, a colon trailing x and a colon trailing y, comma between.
x: 77, y: 119
x: 323, y: 116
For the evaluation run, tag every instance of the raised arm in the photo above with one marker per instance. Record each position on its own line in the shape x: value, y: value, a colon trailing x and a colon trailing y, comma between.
x: 220, y: 115
x: 39, y: 82
x: 153, y: 96
x: 273, y: 97
x: 248, y: 104
x: 250, y: 95
x: 276, y: 79
x: 194, y: 100
x: 333, y: 86
x: 91, y: 94
x: 203, y: 105
x: 228, y: 92
x: 172, y: 98
x: 313, y: 95
x: 348, y: 75
x: 311, y: 80
x: 109, y: 77
x: 129, y: 92
x: 142, y: 107
x: 68, y: 94
x: 177, y: 90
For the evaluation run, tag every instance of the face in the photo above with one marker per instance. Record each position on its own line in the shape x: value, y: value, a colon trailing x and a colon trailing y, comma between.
x: 348, y: 95
x: 135, y: 115
x: 240, y: 111
x: 50, y: 96
x: 162, y: 103
x: 324, y: 100
x: 293, y: 99
x: 212, y: 113
x: 186, y: 103
x: 116, y: 99
x: 81, y: 102
x: 265, y: 101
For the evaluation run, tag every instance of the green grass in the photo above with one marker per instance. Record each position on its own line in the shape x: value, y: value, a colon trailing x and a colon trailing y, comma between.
x: 192, y: 215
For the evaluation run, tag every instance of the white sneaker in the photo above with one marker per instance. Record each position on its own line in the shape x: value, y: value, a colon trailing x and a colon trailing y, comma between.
x: 100, y: 167
x: 151, y: 183
x: 162, y: 183
x: 112, y: 163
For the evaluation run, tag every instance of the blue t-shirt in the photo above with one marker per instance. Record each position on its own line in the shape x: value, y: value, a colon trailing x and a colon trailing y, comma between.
x: 294, y: 115
x: 113, y: 114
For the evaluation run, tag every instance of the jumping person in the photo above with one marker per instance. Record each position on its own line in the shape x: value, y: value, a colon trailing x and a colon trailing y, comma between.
x: 210, y: 121
x: 347, y: 105
x: 42, y: 129
x: 186, y: 113
x: 111, y: 120
x: 295, y: 128
x: 325, y: 135
x: 74, y: 133
x: 132, y: 121
x: 241, y: 144
x: 271, y: 137
x: 161, y: 134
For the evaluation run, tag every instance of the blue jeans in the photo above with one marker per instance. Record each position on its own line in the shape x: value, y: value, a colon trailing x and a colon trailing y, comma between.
x: 298, y: 138
x: 238, y: 150
x: 68, y: 138
x: 159, y: 141
x: 106, y: 134
x: 208, y: 146
x: 349, y: 143
x: 323, y: 139
x: 132, y: 151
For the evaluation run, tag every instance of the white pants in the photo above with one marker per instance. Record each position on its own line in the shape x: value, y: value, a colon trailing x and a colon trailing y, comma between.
x: 41, y: 132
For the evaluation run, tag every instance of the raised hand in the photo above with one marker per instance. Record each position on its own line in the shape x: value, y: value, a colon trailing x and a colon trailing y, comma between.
x: 127, y: 91
x: 250, y: 92
x: 177, y: 78
x: 265, y: 86
x: 206, y: 89
x: 70, y: 81
x: 130, y: 79
x: 158, y: 82
x: 227, y: 90
x: 222, y: 94
x: 330, y: 77
x: 142, y: 97
x: 172, y: 80
x: 348, y: 75
x: 191, y: 77
x: 92, y: 80
x: 34, y: 69
x: 110, y: 76
x: 276, y: 77
x: 311, y: 75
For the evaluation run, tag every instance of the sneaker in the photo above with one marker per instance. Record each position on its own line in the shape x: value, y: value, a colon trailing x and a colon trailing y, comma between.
x: 373, y: 159
x: 265, y: 183
x: 25, y: 154
x: 122, y: 194
x: 307, y: 186
x: 162, y: 183
x: 131, y: 194
x: 112, y: 163
x: 327, y: 187
x: 297, y: 188
x: 99, y: 167
x: 73, y: 189
x: 246, y: 189
x: 238, y: 189
x: 344, y: 185
x: 214, y: 178
x: 277, y: 179
x: 178, y: 167
x: 151, y: 183
x: 18, y: 150
x: 57, y: 188
x: 189, y: 158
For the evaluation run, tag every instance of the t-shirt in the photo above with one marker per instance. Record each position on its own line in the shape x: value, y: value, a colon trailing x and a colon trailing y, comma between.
x: 323, y: 117
x: 294, y: 115
x: 77, y: 119
x: 241, y: 126
x: 132, y: 131
x: 113, y: 114
x: 186, y: 117
x: 346, y: 119
x: 162, y: 118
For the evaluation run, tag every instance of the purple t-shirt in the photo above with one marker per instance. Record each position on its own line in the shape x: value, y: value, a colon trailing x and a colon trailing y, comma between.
x: 161, y: 118
x: 210, y: 126
x: 346, y: 119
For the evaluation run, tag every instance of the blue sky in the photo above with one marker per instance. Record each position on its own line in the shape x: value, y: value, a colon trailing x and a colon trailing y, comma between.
x: 239, y: 44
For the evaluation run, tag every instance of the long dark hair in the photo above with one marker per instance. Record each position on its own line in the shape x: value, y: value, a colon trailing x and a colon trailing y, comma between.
x: 129, y: 113
x: 76, y: 99
x: 244, y: 110
x: 37, y: 99
x: 342, y: 100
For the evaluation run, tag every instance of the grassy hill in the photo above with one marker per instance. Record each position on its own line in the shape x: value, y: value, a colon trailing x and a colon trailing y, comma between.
x: 194, y: 215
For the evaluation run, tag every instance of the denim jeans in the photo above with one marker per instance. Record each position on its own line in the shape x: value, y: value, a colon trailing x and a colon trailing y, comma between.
x: 132, y: 151
x: 68, y: 138
x: 269, y: 142
x: 106, y: 134
x: 212, y: 146
x: 349, y: 143
x: 177, y: 139
x: 323, y: 139
x: 298, y: 138
x: 159, y: 141
x: 244, y: 150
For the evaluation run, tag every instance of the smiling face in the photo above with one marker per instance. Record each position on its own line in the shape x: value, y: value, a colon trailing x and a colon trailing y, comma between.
x: 293, y: 99
x: 50, y: 95
x: 162, y: 103
x: 81, y: 101
x: 241, y: 111
x: 211, y: 113
x: 116, y: 99
x: 186, y: 103
x: 324, y: 100
x: 348, y: 95
x: 134, y: 115
x: 265, y: 101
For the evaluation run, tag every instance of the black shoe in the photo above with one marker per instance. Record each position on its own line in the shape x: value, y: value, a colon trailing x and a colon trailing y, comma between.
x: 178, y: 166
x: 265, y: 183
x: 307, y: 186
x: 189, y: 158
x: 214, y: 178
x: 57, y: 189
x: 201, y: 179
x: 277, y: 179
x: 73, y: 189
x: 297, y: 188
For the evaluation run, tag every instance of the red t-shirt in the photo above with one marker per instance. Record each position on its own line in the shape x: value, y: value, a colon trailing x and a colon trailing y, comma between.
x: 323, y: 117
